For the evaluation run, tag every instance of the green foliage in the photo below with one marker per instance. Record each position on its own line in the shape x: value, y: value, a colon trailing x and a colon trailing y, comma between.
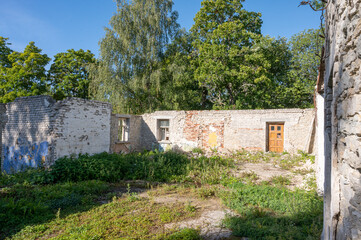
x: 306, y: 49
x: 185, y: 234
x: 249, y: 177
x: 268, y: 212
x: 179, y: 89
x: 25, y: 204
x: 150, y: 166
x: 5, y: 51
x: 67, y: 209
x: 207, y: 192
x: 68, y: 74
x: 224, y: 33
x: 121, y: 218
x: 197, y: 150
x: 281, y: 180
x: 29, y: 176
x: 23, y: 73
x: 131, y: 52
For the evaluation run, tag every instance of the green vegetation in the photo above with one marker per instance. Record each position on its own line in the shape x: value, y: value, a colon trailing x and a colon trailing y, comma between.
x: 68, y: 75
x: 21, y: 73
x: 24, y: 73
x: 148, y: 62
x: 281, y: 180
x: 92, y: 197
x: 284, y: 160
x: 268, y: 212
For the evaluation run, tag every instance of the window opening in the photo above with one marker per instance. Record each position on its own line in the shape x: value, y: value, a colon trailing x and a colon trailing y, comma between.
x: 163, y: 130
x: 123, y: 129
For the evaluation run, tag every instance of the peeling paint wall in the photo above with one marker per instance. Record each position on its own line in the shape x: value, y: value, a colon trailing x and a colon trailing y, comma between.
x: 27, y: 137
x: 342, y: 198
x: 81, y: 126
x: 39, y: 130
x: 227, y: 130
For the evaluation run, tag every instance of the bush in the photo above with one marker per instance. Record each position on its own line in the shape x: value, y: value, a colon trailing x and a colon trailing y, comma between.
x: 149, y: 166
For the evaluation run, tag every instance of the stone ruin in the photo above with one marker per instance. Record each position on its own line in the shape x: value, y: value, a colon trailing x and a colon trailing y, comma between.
x: 340, y: 76
x: 38, y: 130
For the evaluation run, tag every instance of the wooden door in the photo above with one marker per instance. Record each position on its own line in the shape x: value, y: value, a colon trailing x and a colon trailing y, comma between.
x: 275, y: 137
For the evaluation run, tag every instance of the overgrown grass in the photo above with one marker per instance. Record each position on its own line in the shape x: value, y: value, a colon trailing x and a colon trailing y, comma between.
x: 150, y: 166
x: 25, y: 204
x: 281, y: 180
x: 284, y: 160
x: 71, y: 200
x: 268, y: 212
x: 121, y: 219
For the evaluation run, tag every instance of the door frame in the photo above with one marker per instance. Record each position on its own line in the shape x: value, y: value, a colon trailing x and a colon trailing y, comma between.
x: 267, y: 133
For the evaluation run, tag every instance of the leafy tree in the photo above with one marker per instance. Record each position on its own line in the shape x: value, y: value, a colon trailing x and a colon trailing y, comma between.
x: 306, y: 49
x: 68, y: 75
x: 26, y: 74
x: 316, y: 5
x: 131, y: 52
x: 180, y: 91
x: 5, y: 51
x: 272, y: 59
x: 225, y: 34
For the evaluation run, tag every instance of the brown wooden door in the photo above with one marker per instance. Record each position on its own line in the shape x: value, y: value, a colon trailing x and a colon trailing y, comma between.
x: 275, y: 137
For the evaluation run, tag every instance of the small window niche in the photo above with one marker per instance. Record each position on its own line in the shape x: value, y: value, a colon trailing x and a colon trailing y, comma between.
x: 123, y: 129
x: 163, y: 130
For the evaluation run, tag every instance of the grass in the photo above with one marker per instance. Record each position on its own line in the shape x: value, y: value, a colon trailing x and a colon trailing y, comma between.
x: 268, y: 212
x: 25, y: 204
x: 281, y: 180
x: 97, y: 198
x: 122, y: 218
x: 284, y: 160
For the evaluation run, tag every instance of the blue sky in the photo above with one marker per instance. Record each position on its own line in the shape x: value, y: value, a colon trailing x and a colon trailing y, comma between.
x: 56, y: 26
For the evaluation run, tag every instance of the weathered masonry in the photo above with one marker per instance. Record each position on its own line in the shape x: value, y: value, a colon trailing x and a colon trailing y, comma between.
x: 263, y: 130
x: 342, y: 100
x: 38, y: 130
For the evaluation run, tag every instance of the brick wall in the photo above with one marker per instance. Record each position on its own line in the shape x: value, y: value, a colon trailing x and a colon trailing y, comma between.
x: 27, y: 138
x: 342, y: 212
x: 82, y: 126
x: 228, y: 130
x: 39, y: 130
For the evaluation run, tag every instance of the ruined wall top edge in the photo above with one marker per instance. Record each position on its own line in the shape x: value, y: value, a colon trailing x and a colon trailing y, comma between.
x: 67, y: 100
x: 256, y: 111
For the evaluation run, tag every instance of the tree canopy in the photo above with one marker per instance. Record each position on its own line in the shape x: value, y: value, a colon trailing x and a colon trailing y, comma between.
x: 23, y: 74
x: 147, y: 62
x: 68, y: 74
x: 130, y: 53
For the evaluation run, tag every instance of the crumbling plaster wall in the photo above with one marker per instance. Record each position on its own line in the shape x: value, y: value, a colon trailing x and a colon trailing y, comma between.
x: 39, y: 130
x: 228, y: 130
x: 27, y: 138
x: 81, y: 126
x: 342, y: 203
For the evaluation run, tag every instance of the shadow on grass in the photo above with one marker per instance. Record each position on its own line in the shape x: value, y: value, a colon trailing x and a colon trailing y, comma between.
x: 24, y: 205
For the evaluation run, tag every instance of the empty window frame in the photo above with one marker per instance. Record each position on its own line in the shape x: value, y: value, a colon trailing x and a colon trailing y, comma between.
x: 123, y: 129
x: 163, y: 130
